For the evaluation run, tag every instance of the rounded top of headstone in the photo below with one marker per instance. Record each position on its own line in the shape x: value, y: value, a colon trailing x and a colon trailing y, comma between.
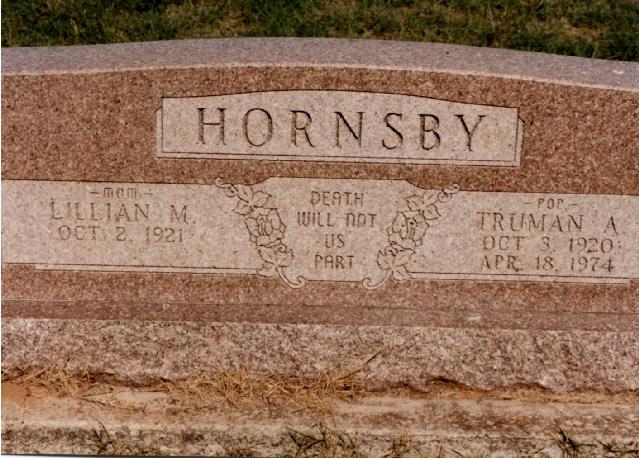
x: 322, y: 52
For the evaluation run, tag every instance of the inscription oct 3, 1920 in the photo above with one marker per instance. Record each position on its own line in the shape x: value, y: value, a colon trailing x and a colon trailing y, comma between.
x: 302, y: 229
x: 338, y: 126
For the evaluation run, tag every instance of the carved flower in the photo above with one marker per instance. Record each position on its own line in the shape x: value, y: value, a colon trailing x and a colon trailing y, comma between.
x: 249, y: 199
x: 408, y: 230
x: 395, y: 259
x: 265, y: 226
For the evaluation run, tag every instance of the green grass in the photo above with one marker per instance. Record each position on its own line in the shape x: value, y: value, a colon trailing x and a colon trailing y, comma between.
x: 607, y: 29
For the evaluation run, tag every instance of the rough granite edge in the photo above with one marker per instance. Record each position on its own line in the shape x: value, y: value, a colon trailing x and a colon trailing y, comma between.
x: 322, y: 52
x: 142, y: 352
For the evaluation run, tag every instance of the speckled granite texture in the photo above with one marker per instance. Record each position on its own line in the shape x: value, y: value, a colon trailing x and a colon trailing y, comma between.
x: 326, y: 52
x: 89, y: 114
x: 146, y: 352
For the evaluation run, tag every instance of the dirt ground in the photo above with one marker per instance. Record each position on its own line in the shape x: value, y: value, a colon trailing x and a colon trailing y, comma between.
x: 244, y: 414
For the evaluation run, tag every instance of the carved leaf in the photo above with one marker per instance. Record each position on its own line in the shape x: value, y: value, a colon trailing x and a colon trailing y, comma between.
x: 401, y: 274
x: 268, y: 254
x: 268, y: 270
x: 414, y: 202
x: 430, y: 198
x: 260, y: 199
x: 384, y: 260
x: 244, y: 192
x: 403, y: 257
x: 252, y: 226
x: 431, y: 212
x: 284, y: 258
x: 243, y: 207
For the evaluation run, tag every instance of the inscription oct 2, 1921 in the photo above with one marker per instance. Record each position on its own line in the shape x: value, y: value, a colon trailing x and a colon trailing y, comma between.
x: 299, y: 230
x: 338, y: 126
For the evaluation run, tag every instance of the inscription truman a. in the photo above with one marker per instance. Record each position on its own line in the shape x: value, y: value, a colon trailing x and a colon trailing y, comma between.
x: 338, y: 126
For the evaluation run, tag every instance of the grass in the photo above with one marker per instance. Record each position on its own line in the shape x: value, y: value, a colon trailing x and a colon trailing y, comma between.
x: 568, y: 445
x: 238, y: 388
x: 242, y: 388
x: 57, y: 381
x: 316, y: 394
x: 107, y: 445
x: 607, y: 29
x: 323, y: 441
x: 245, y: 390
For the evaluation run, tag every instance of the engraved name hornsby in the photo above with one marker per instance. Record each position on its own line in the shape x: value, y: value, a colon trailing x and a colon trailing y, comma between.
x: 257, y: 127
x: 339, y: 125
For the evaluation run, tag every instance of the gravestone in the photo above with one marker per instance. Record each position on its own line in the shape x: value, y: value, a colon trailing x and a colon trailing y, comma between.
x: 296, y: 206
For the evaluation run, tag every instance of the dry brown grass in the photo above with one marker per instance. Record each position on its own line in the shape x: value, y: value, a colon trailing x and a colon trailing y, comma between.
x: 243, y: 387
x: 239, y: 388
x: 57, y: 381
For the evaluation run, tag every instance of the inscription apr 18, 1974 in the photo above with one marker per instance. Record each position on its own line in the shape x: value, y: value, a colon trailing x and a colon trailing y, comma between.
x: 338, y: 126
x: 299, y: 230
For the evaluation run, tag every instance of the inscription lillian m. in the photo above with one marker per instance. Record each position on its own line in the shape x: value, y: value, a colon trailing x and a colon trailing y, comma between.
x: 338, y: 126
x: 299, y: 230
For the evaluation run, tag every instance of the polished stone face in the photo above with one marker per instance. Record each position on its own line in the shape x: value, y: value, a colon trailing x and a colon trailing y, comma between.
x: 457, y: 206
x: 338, y: 126
x: 303, y: 229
